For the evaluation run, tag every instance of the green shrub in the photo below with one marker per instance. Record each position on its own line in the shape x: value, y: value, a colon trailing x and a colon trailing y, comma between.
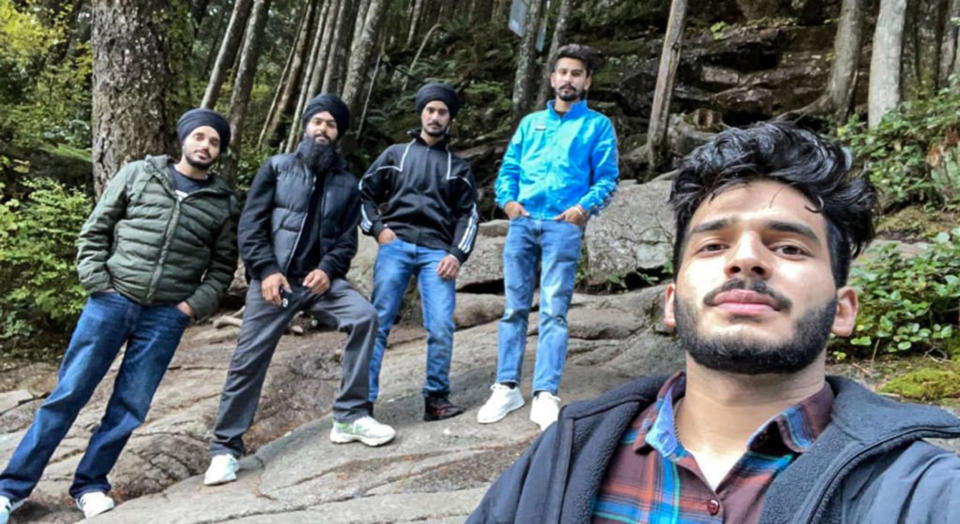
x: 39, y: 290
x: 908, y: 303
x: 912, y: 153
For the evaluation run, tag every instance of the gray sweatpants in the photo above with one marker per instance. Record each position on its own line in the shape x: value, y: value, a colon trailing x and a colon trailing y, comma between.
x: 263, y: 324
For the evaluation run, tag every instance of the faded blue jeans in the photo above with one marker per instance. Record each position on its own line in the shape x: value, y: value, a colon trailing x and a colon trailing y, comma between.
x: 554, y: 247
x: 396, y: 262
x: 109, y: 320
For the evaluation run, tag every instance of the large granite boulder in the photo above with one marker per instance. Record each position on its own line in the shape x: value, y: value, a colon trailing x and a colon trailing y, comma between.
x: 635, y: 234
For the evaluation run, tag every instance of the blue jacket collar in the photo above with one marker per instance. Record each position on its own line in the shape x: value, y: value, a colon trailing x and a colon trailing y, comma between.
x: 576, y: 110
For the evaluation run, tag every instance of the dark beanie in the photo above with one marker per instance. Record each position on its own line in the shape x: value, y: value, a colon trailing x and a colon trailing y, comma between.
x: 333, y: 104
x: 438, y: 91
x: 198, y: 117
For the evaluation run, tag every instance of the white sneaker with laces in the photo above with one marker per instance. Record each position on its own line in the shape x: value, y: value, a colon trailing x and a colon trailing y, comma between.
x: 502, y: 401
x: 544, y: 409
x: 7, y: 507
x: 365, y: 429
x: 223, y: 468
x: 93, y: 503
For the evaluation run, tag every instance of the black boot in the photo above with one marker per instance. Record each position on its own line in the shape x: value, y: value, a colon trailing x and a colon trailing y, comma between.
x: 439, y: 407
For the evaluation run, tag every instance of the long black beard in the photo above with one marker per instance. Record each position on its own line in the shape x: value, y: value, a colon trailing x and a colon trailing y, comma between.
x: 736, y: 355
x: 318, y: 157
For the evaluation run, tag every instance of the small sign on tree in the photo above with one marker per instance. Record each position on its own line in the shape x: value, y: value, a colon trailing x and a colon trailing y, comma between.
x: 518, y: 15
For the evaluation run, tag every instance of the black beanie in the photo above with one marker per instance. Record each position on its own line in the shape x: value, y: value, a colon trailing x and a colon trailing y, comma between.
x: 438, y: 91
x: 333, y: 104
x: 198, y: 117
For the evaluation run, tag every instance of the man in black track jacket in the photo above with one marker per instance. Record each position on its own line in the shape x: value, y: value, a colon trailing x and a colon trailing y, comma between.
x: 297, y: 235
x: 419, y: 202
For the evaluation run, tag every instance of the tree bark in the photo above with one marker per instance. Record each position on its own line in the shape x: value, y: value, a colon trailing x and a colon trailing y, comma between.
x: 243, y: 84
x: 228, y: 52
x: 666, y: 77
x: 288, y: 81
x: 414, y: 21
x: 361, y: 52
x: 559, y: 35
x: 837, y: 100
x: 948, y: 43
x: 340, y: 44
x: 319, y: 35
x: 131, y: 111
x: 884, y: 92
x: 526, y: 59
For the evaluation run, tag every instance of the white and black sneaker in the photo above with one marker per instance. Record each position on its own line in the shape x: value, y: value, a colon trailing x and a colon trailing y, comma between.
x: 7, y: 507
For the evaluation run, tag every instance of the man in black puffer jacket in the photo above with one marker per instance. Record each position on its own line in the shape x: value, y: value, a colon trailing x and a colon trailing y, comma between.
x: 297, y: 235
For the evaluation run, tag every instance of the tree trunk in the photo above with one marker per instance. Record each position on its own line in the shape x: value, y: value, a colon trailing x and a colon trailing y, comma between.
x: 482, y: 11
x: 214, y: 50
x: 319, y: 36
x: 243, y: 84
x: 948, y: 43
x: 288, y: 81
x: 837, y: 100
x: 884, y: 92
x: 340, y: 44
x: 131, y: 111
x: 559, y: 35
x: 361, y: 52
x: 526, y: 59
x: 228, y: 52
x: 414, y: 21
x: 198, y: 10
x: 666, y: 77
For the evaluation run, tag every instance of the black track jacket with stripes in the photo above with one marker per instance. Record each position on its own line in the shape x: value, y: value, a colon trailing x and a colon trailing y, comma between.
x: 425, y: 194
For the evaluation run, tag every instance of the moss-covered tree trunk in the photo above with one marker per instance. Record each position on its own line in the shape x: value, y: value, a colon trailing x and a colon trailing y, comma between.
x: 666, y: 78
x: 884, y: 92
x: 559, y: 36
x: 228, y: 52
x: 243, y: 83
x: 526, y: 59
x: 132, y: 79
x: 342, y: 38
x: 288, y: 81
x: 361, y: 53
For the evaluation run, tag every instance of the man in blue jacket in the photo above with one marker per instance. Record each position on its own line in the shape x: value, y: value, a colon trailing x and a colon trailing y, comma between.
x: 559, y: 168
x: 753, y: 431
x: 420, y: 203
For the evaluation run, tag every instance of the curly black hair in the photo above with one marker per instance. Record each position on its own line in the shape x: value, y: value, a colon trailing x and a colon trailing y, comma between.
x: 785, y: 153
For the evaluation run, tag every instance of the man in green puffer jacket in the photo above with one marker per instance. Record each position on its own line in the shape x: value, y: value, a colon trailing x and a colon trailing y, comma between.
x: 157, y: 252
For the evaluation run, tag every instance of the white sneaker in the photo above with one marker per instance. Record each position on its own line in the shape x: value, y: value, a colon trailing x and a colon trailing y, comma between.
x: 544, y: 409
x: 7, y: 507
x: 223, y: 468
x: 94, y: 503
x: 503, y: 400
x: 365, y: 429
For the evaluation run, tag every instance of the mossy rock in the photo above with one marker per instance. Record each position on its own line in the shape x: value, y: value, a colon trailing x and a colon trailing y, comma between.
x: 915, y: 223
x: 928, y: 383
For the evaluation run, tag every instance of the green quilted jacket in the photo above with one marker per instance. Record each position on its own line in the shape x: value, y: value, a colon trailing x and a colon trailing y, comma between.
x: 155, y: 248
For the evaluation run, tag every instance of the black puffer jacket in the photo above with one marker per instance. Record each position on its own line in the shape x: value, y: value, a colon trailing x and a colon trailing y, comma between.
x: 425, y: 194
x: 277, y: 207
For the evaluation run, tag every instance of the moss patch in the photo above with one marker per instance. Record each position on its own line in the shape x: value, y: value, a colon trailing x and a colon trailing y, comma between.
x: 916, y: 223
x: 927, y: 383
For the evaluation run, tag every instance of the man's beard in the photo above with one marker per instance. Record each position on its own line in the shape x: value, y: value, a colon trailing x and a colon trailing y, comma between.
x: 199, y: 164
x: 441, y: 132
x: 573, y: 96
x: 318, y: 156
x: 736, y: 354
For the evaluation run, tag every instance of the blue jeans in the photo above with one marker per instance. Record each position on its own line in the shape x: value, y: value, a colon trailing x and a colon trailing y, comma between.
x: 555, y: 248
x: 396, y: 262
x: 108, y: 321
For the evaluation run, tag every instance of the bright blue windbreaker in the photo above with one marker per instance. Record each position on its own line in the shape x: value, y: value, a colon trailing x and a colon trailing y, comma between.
x: 554, y: 162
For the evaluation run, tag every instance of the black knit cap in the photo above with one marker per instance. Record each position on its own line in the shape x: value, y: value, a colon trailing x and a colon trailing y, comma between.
x: 333, y: 104
x: 199, y: 117
x: 438, y: 91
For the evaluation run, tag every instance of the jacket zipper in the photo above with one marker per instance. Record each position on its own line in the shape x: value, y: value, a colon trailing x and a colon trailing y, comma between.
x: 313, y: 187
x: 816, y: 502
x: 167, y: 232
